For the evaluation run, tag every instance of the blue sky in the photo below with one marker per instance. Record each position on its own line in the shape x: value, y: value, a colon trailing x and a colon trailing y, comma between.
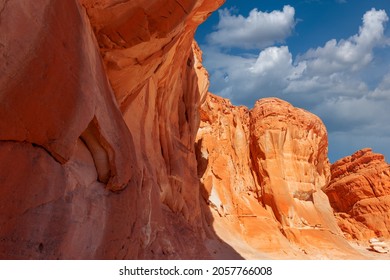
x: 329, y: 57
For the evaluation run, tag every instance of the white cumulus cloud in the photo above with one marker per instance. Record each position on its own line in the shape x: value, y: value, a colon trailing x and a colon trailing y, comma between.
x: 382, y: 91
x: 274, y: 61
x: 334, y: 69
x: 258, y: 30
x: 333, y: 81
x: 353, y: 53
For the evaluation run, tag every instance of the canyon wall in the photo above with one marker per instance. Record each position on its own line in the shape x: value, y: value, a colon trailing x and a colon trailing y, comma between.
x: 262, y: 173
x: 112, y: 148
x: 99, y: 105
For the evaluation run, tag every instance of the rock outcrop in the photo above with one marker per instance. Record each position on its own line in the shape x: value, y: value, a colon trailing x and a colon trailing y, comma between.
x: 262, y: 171
x: 359, y: 192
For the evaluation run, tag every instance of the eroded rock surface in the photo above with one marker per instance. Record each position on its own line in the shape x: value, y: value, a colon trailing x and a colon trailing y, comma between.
x: 359, y: 192
x: 262, y: 171
x: 98, y: 97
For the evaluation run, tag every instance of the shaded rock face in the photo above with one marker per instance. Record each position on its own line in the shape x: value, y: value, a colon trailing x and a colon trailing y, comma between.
x: 359, y: 192
x: 66, y: 96
x: 98, y: 97
x: 262, y: 171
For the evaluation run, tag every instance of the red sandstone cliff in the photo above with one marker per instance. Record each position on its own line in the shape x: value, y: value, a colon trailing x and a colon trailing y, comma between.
x: 96, y: 97
x: 262, y: 171
x: 359, y: 192
x: 101, y: 157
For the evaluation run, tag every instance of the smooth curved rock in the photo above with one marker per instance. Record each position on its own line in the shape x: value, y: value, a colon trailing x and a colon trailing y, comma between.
x: 66, y: 86
x: 100, y: 96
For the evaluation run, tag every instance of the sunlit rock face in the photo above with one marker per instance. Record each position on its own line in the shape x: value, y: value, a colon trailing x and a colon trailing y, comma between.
x: 99, y: 113
x: 262, y: 171
x: 359, y: 192
x: 289, y: 151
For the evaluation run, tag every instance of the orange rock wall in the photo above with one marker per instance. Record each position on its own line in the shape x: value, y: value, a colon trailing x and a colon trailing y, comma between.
x: 98, y: 97
x: 359, y: 192
x: 262, y: 171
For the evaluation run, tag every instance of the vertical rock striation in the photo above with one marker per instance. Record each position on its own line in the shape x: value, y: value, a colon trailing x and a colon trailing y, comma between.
x: 289, y: 149
x: 262, y: 171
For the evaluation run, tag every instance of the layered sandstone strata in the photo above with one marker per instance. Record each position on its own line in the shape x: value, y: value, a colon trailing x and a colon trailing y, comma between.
x: 359, y: 192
